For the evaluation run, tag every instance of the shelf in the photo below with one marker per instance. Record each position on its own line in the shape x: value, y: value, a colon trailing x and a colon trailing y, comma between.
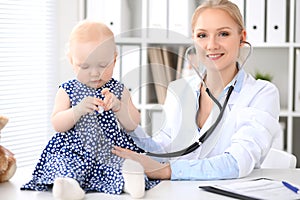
x: 128, y: 40
x: 169, y: 41
x: 273, y: 45
x: 295, y: 114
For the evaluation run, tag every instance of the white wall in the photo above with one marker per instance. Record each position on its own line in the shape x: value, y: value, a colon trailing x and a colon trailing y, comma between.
x: 69, y: 13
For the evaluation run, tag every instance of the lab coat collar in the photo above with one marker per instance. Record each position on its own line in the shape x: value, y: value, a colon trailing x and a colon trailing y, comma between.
x: 238, y: 80
x: 239, y: 77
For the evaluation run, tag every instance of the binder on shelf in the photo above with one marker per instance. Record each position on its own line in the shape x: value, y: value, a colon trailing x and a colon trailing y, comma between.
x: 158, y: 73
x: 241, y: 5
x: 115, y: 14
x: 117, y: 69
x: 276, y: 21
x: 157, y: 18
x: 255, y: 20
x: 130, y: 59
x: 179, y: 24
x: 297, y: 80
x: 297, y: 21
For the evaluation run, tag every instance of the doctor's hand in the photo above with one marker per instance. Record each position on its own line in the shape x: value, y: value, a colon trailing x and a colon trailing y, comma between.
x: 153, y: 169
x: 110, y: 101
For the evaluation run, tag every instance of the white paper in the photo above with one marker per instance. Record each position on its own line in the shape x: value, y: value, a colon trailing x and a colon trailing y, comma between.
x: 261, y: 189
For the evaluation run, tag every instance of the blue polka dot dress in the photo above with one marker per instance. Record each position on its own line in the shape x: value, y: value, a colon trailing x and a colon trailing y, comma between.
x: 84, y: 152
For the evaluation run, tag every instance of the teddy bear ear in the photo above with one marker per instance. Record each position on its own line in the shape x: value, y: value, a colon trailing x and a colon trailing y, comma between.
x: 3, y: 121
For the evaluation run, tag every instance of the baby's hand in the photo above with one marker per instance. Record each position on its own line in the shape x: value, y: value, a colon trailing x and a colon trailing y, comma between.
x: 110, y: 101
x: 87, y: 105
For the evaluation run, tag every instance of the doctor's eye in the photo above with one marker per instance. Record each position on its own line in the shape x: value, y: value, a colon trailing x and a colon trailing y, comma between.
x: 201, y: 35
x: 224, y: 34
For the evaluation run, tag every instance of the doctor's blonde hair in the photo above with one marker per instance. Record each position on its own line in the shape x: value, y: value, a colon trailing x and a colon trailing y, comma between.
x: 224, y: 5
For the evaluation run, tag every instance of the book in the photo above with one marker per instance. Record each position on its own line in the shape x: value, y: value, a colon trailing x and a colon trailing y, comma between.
x: 169, y: 60
x: 180, y: 61
x: 158, y: 73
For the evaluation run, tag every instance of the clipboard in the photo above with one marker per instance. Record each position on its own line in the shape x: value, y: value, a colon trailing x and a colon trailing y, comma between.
x: 227, y: 193
x: 253, y: 189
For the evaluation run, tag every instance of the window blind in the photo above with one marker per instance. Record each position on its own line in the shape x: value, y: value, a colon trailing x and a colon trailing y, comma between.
x: 27, y: 75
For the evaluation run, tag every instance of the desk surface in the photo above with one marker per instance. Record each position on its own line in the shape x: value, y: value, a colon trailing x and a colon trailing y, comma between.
x: 165, y: 190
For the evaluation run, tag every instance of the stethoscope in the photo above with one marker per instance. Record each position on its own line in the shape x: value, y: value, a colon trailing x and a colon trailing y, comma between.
x: 222, y: 108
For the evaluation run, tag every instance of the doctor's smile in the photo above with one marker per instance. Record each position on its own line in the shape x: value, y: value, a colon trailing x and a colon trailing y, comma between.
x: 215, y: 56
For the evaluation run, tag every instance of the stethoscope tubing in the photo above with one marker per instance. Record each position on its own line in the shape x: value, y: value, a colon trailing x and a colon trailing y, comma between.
x: 207, y: 133
x: 197, y: 144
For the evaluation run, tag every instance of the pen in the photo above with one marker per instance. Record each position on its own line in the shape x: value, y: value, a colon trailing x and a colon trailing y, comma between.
x: 291, y: 187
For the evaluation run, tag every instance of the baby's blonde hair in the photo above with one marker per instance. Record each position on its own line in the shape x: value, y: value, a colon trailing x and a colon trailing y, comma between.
x: 88, y: 31
x: 224, y: 5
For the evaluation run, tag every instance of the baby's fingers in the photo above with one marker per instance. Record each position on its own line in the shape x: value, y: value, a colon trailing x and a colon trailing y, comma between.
x: 105, y: 91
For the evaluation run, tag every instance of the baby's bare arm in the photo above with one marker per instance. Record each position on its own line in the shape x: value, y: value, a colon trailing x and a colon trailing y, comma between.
x: 64, y: 117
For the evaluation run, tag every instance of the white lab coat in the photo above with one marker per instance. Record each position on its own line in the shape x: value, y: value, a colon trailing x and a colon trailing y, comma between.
x: 247, y: 130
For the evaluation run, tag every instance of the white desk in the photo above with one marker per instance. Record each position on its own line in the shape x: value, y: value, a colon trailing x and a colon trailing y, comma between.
x: 165, y: 190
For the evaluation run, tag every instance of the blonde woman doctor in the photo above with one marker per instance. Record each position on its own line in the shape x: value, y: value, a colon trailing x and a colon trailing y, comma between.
x: 244, y: 134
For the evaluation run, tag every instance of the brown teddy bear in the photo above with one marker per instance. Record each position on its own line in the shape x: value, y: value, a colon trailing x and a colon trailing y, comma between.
x: 7, y: 161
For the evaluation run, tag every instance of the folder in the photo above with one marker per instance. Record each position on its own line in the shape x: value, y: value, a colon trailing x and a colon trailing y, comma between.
x: 297, y: 80
x: 117, y: 69
x: 255, y: 21
x: 130, y: 59
x: 276, y: 21
x: 115, y: 14
x: 157, y: 19
x: 94, y: 10
x: 297, y: 21
x: 241, y: 5
x: 180, y: 14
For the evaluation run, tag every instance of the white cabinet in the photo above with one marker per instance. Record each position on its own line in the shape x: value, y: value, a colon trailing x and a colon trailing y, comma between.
x: 275, y: 58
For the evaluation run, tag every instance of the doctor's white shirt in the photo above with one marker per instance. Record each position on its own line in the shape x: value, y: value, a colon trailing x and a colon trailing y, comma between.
x: 239, y: 143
